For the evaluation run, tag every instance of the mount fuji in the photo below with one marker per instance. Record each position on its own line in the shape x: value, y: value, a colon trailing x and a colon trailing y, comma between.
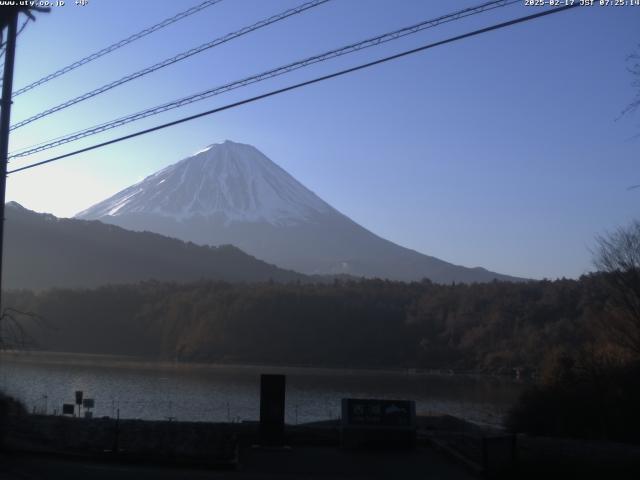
x: 231, y: 193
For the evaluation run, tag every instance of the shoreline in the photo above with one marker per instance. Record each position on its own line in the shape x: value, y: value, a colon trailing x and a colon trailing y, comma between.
x: 229, y: 391
x: 130, y: 361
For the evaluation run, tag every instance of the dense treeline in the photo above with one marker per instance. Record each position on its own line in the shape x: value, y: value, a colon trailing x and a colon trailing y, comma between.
x: 491, y: 327
x: 580, y: 338
x: 592, y: 390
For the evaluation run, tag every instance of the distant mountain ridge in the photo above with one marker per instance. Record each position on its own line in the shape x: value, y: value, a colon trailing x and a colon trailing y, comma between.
x: 43, y: 251
x: 231, y: 193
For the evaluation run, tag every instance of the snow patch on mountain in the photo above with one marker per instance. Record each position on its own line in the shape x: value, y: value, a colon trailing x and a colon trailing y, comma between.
x: 229, y: 180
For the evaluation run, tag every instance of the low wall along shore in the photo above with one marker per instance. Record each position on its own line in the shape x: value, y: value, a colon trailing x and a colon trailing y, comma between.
x: 220, y: 445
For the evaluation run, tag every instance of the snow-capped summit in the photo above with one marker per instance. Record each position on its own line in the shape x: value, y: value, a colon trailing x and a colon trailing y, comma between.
x: 230, y: 181
x: 230, y: 193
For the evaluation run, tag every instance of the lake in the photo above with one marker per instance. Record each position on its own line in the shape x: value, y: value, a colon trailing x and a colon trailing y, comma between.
x: 193, y: 392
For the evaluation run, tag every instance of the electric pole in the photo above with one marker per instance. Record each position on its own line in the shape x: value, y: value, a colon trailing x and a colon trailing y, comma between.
x: 5, y: 118
x: 9, y: 19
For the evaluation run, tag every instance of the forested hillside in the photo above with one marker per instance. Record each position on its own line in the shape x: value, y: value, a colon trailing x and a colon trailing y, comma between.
x: 494, y: 327
x: 43, y: 251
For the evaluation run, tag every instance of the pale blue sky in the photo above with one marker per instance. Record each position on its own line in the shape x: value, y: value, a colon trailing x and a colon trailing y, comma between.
x: 501, y: 151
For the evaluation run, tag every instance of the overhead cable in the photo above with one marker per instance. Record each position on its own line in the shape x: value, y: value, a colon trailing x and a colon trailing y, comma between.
x: 301, y: 84
x: 377, y: 40
x: 170, y: 61
x: 115, y: 46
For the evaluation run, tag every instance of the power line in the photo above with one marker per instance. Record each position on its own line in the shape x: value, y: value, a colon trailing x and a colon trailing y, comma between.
x: 170, y: 61
x: 115, y: 46
x: 386, y: 37
x: 22, y: 27
x: 303, y: 84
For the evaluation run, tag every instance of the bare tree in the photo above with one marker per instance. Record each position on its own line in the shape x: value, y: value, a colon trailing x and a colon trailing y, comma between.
x: 13, y: 334
x: 618, y: 257
x: 633, y: 67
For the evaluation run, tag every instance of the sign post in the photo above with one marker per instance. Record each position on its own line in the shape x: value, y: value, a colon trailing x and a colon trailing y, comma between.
x: 88, y: 404
x: 79, y: 400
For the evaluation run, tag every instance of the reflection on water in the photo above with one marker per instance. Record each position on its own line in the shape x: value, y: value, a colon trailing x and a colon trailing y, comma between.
x: 145, y: 390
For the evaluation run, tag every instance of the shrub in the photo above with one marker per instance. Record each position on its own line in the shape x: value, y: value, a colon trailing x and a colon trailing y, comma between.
x: 598, y: 404
x: 9, y: 407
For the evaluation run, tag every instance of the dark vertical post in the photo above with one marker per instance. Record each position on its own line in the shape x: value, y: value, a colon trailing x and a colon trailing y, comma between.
x: 116, y: 438
x: 5, y: 118
x: 79, y: 394
x: 272, y: 393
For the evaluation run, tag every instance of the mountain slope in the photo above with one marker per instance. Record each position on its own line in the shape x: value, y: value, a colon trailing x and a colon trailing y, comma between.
x: 43, y: 251
x: 230, y: 193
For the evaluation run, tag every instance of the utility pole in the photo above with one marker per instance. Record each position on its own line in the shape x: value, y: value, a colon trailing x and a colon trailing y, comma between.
x: 8, y: 18
x: 5, y: 118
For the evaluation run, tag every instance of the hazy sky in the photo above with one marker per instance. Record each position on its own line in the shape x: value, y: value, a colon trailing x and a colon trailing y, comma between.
x: 503, y: 150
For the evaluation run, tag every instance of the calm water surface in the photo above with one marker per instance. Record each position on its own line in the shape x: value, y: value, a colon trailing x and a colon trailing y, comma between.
x: 155, y: 391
